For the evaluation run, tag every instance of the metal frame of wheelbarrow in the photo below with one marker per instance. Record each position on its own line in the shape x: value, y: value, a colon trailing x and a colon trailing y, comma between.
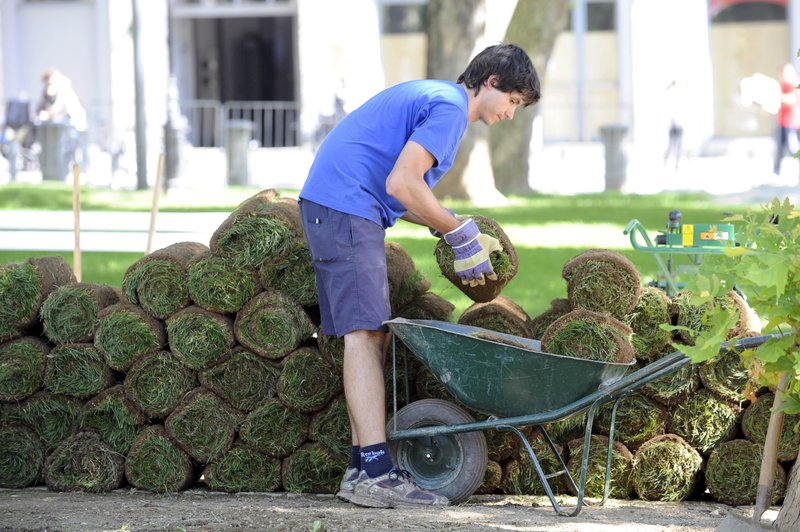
x: 590, y: 403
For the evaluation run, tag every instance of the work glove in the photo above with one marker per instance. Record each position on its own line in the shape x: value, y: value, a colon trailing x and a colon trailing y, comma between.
x: 472, y: 249
x: 436, y: 233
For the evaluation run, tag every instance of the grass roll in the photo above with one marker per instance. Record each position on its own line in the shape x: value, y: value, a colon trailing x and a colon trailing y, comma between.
x: 292, y: 273
x: 732, y: 473
x: 539, y: 324
x: 261, y: 227
x: 70, y: 312
x: 500, y: 314
x: 427, y: 306
x: 221, y: 285
x: 726, y: 377
x: 650, y: 311
x: 158, y: 282
x: 243, y: 468
x: 84, y: 463
x: 520, y: 476
x: 666, y: 468
x: 274, y: 429
x: 756, y: 419
x: 638, y: 420
x: 501, y: 444
x: 21, y: 457
x: 202, y: 425
x: 704, y: 421
x: 331, y: 427
x: 125, y: 332
x: 272, y: 325
x: 25, y: 286
x: 9, y: 332
x: 491, y: 478
x: 406, y: 282
x: 157, y: 382
x: 22, y: 363
x: 77, y: 370
x: 691, y: 315
x: 243, y: 379
x: 113, y: 417
x: 675, y: 387
x: 53, y: 417
x: 620, y: 486
x: 200, y: 338
x: 312, y: 469
x: 307, y: 382
x: 505, y: 263
x: 332, y: 348
x: 586, y: 334
x: 603, y: 281
x: 428, y: 386
x: 567, y: 429
x: 155, y: 463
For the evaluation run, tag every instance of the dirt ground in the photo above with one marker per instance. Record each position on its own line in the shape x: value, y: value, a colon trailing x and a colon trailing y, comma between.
x: 199, y: 510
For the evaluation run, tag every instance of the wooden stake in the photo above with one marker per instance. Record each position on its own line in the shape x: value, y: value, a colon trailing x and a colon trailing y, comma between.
x: 154, y: 207
x: 770, y: 458
x: 76, y: 213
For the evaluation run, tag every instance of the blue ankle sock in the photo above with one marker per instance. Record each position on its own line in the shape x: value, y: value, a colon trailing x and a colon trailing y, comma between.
x: 355, y: 456
x: 375, y: 459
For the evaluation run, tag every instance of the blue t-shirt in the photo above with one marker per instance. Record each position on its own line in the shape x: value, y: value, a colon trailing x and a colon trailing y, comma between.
x: 350, y: 170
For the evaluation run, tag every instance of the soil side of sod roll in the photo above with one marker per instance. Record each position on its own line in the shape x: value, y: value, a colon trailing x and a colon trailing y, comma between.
x: 427, y: 306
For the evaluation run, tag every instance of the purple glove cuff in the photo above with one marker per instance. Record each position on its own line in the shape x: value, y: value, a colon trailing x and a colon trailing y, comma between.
x: 464, y: 233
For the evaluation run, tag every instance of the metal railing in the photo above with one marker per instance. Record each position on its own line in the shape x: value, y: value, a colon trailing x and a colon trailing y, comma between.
x: 275, y: 123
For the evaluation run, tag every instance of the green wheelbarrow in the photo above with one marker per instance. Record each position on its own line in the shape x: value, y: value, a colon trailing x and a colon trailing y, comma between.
x: 510, y: 380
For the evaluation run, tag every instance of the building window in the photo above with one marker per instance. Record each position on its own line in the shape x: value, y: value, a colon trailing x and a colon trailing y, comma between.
x: 600, y: 16
x: 403, y: 17
x: 735, y: 11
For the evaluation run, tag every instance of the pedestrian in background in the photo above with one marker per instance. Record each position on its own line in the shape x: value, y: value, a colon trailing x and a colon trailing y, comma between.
x: 788, y: 116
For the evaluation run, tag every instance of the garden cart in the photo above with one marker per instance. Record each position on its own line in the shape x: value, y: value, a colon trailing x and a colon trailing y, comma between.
x: 514, y: 384
x: 690, y: 240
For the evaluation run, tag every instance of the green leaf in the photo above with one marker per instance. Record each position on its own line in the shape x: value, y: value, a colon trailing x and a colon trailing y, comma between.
x: 772, y: 350
x: 737, y: 252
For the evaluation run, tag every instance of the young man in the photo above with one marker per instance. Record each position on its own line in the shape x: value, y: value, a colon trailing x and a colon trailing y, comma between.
x: 377, y: 165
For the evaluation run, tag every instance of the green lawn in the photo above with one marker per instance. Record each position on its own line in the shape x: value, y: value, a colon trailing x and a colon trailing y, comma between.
x: 546, y: 230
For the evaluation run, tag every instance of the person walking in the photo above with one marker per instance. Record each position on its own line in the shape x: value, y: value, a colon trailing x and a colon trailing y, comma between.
x: 788, y: 116
x: 377, y: 165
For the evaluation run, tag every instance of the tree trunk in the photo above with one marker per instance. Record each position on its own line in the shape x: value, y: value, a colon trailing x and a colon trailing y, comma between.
x: 533, y: 27
x: 789, y: 516
x: 453, y: 29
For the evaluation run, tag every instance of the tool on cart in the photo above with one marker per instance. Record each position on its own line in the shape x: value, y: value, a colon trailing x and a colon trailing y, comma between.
x: 688, y: 239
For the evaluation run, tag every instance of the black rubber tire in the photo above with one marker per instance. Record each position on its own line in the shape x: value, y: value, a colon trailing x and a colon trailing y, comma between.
x: 452, y: 465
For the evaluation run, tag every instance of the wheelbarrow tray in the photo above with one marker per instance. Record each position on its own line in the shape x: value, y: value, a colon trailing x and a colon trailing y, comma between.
x: 501, y: 374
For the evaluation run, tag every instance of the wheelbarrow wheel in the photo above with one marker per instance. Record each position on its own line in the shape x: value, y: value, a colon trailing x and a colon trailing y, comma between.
x: 452, y: 465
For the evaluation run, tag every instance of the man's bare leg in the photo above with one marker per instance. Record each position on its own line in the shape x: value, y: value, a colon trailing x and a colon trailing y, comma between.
x: 364, y: 386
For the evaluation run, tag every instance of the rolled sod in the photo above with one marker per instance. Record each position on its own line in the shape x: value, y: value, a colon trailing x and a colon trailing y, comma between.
x: 505, y: 263
x: 243, y: 468
x: 650, y: 311
x: 331, y: 427
x: 243, y: 379
x: 332, y: 348
x: 155, y: 463
x: 704, y: 421
x: 406, y: 283
x: 22, y: 363
x: 674, y: 387
x: 428, y: 386
x: 520, y: 476
x: 84, y: 462
x: 406, y: 376
x: 9, y: 332
x: 157, y: 382
x: 732, y: 473
x: 539, y: 324
x: 428, y: 306
x: 53, y: 417
x: 691, y: 315
x: 77, y: 370
x: 22, y: 456
x: 25, y: 286
x: 666, y: 468
x: 307, y: 382
x: 69, y: 313
x: 272, y: 325
x: 261, y: 227
x: 312, y: 469
x: 501, y: 444
x: 638, y: 419
x: 620, y: 486
x: 125, y: 332
x: 583, y: 333
x: 274, y: 429
x: 113, y: 417
x: 221, y: 285
x: 158, y: 282
x: 198, y: 337
x: 202, y: 425
x: 602, y: 281
x: 491, y: 478
x: 291, y: 272
x: 500, y: 314
x: 756, y: 419
x: 567, y: 429
x: 726, y: 377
